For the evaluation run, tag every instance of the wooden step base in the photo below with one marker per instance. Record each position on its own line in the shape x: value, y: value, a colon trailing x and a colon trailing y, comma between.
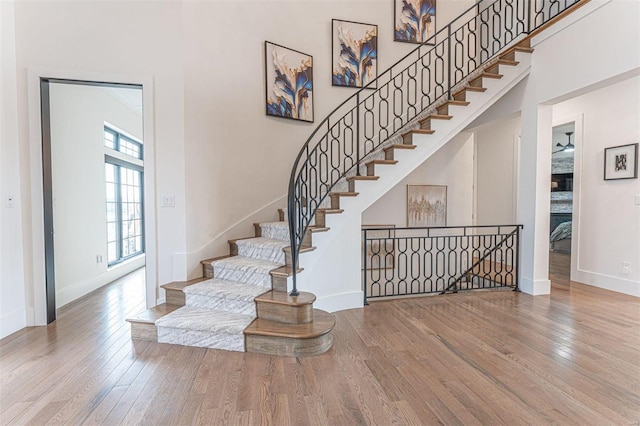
x: 276, y: 338
x: 174, y: 290
x: 279, y: 277
x: 143, y: 325
x: 207, y: 267
x: 280, y: 306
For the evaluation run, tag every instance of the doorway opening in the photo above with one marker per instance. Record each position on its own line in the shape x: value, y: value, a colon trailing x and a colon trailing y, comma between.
x: 93, y: 186
x: 562, y: 206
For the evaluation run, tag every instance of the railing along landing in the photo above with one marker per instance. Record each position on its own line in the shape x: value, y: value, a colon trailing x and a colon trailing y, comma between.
x: 416, y: 84
x: 416, y: 261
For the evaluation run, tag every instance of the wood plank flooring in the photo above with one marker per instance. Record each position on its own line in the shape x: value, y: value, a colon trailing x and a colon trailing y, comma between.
x: 487, y: 358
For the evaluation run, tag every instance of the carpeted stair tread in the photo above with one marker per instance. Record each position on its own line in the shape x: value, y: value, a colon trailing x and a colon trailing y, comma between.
x: 275, y: 230
x: 204, y: 328
x: 222, y: 295
x: 262, y: 248
x: 198, y: 319
x: 227, y: 289
x: 245, y: 269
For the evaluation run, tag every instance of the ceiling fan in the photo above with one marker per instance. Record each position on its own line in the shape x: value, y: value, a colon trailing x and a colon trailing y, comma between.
x: 569, y: 147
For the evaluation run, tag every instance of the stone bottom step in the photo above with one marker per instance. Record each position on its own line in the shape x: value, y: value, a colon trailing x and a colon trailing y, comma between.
x: 277, y: 338
x: 204, y: 328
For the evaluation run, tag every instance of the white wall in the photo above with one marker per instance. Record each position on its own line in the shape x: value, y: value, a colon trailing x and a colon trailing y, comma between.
x: 12, y: 294
x: 195, y: 54
x: 452, y: 166
x: 497, y: 172
x: 607, y: 230
x: 238, y: 160
x: 78, y: 115
x: 205, y: 64
x: 570, y: 60
x: 122, y: 42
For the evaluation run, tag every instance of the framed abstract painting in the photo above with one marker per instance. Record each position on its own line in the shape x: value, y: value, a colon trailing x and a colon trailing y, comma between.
x: 414, y: 20
x: 621, y: 162
x: 354, y: 55
x: 289, y: 83
x: 426, y: 205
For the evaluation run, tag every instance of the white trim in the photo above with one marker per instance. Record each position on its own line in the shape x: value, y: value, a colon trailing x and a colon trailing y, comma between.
x: 578, y: 142
x: 341, y: 301
x: 186, y: 265
x: 37, y: 206
x: 12, y: 322
x: 608, y: 282
x: 78, y: 289
x: 516, y: 174
x: 535, y: 287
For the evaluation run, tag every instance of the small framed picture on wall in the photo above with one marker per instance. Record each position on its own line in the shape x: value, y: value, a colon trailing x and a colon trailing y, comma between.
x: 621, y: 162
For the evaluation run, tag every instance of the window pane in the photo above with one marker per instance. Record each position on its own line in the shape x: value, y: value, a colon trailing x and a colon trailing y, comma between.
x: 111, y: 192
x: 109, y: 141
x: 111, y: 212
x: 110, y: 172
x: 111, y: 232
x: 111, y: 252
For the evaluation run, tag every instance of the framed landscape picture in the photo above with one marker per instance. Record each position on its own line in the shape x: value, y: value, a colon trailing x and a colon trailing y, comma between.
x: 289, y: 83
x: 426, y: 205
x: 621, y: 162
x: 380, y: 247
x: 414, y: 20
x: 354, y: 55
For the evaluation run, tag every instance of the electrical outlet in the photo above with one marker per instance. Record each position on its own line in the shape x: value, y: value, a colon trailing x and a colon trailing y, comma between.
x: 99, y: 258
x: 168, y: 201
x: 9, y: 202
x: 626, y: 266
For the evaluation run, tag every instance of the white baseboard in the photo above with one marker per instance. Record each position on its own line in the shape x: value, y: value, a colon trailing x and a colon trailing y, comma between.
x: 78, y: 289
x: 12, y: 322
x: 340, y: 302
x: 608, y: 282
x: 535, y: 287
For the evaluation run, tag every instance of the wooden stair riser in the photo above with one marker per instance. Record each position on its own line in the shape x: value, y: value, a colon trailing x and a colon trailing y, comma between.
x: 445, y: 108
x: 321, y: 216
x: 407, y: 138
x: 175, y: 297
x: 207, y: 270
x: 281, y: 307
x: 285, y: 313
x: 291, y: 347
x: 143, y: 331
x: 287, y: 254
x: 335, y: 198
x: 389, y: 152
x: 352, y: 181
x: 279, y: 283
x: 277, y: 338
x: 371, y: 165
x: 427, y: 123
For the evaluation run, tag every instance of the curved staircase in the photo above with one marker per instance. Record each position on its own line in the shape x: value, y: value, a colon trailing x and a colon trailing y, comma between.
x: 241, y: 303
x: 420, y: 104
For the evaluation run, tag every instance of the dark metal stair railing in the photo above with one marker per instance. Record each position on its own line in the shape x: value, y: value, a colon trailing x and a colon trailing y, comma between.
x: 417, y: 83
x: 434, y: 260
x: 486, y: 255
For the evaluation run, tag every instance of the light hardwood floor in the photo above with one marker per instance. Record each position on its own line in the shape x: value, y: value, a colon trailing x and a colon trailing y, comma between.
x: 487, y: 358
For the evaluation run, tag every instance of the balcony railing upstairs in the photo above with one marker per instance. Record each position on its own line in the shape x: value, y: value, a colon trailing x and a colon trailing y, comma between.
x: 414, y: 86
x: 415, y: 261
